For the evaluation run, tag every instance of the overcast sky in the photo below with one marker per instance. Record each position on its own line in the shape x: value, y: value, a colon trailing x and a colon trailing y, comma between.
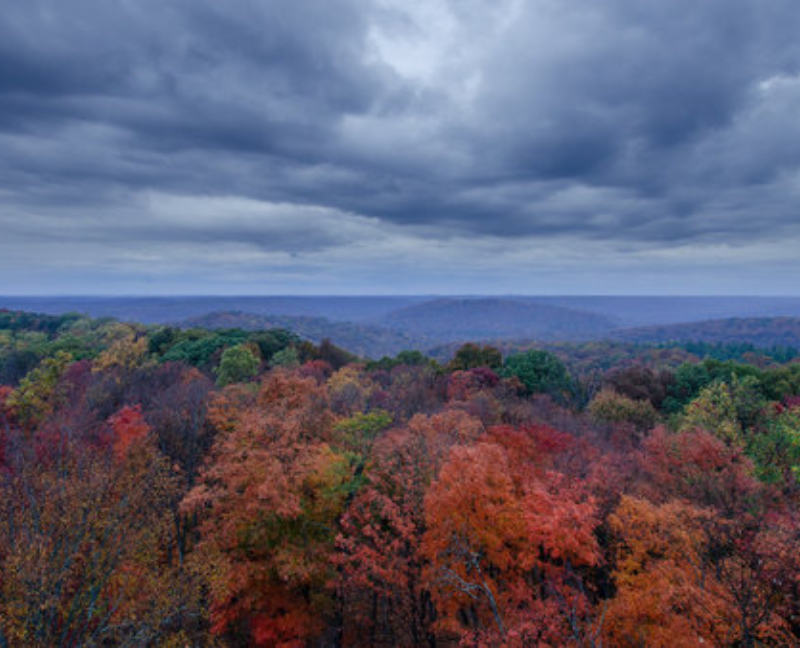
x: 363, y: 147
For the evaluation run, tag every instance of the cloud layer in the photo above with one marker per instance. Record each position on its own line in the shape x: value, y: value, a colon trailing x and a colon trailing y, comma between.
x: 529, y: 146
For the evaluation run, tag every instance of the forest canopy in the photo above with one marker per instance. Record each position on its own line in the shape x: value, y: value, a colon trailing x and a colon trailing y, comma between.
x: 191, y: 487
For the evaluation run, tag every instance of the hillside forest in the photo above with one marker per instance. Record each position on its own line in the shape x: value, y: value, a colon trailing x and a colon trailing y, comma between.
x: 177, y: 487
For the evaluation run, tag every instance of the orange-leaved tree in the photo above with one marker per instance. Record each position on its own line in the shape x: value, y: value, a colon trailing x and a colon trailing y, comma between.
x: 506, y: 539
x: 381, y: 582
x: 269, y: 498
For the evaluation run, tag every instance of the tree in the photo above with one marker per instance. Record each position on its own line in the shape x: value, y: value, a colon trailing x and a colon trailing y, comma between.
x: 754, y: 558
x: 687, y: 575
x: 335, y: 356
x: 174, y: 400
x: 202, y: 349
x: 126, y: 352
x: 381, y: 580
x: 7, y: 420
x: 728, y: 410
x: 403, y: 359
x: 541, y: 372
x: 462, y: 385
x: 273, y: 341
x: 358, y: 432
x: 503, y: 536
x: 663, y: 597
x: 474, y: 356
x: 129, y: 429
x: 413, y: 390
x: 39, y: 395
x: 86, y: 547
x: 610, y: 407
x: 689, y: 380
x: 350, y: 390
x: 700, y: 468
x: 269, y: 500
x: 641, y: 383
x: 380, y: 585
x: 238, y: 364
x: 776, y: 448
x: 288, y: 358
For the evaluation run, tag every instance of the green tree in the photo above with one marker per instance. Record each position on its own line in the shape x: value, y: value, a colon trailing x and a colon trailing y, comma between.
x: 403, y: 359
x: 731, y: 411
x: 776, y: 451
x: 473, y: 356
x: 288, y: 357
x: 238, y: 364
x: 38, y: 394
x: 201, y: 348
x: 358, y: 432
x: 272, y: 341
x: 540, y: 372
x: 689, y: 381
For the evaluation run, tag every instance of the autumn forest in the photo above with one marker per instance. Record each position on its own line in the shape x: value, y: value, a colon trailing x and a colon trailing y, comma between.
x: 164, y: 486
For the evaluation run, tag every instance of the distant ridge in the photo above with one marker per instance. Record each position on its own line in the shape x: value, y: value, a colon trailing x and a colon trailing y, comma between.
x: 362, y: 339
x: 758, y: 331
x: 453, y: 319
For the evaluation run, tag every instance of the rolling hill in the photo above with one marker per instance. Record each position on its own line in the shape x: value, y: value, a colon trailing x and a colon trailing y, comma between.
x: 477, y: 319
x: 362, y: 339
x: 758, y: 331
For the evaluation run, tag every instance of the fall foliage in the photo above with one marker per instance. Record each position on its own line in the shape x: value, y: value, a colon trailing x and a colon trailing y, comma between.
x: 172, y: 487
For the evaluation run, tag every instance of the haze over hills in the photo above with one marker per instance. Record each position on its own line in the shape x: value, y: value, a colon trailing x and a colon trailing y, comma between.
x: 626, y: 311
x: 453, y: 319
x: 636, y: 310
x: 361, y: 339
x: 758, y: 331
x: 424, y: 325
x: 160, y: 310
x: 385, y: 325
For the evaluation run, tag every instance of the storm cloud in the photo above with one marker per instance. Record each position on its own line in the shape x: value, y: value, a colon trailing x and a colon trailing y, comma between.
x: 529, y: 146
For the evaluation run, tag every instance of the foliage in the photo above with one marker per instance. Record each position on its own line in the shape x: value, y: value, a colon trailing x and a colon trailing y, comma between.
x: 473, y: 356
x: 287, y: 357
x: 541, y: 372
x: 501, y: 531
x: 202, y: 349
x: 402, y: 359
x: 238, y: 364
x: 663, y: 597
x: 776, y: 448
x: 640, y: 383
x: 729, y: 410
x: 130, y: 429
x: 84, y: 550
x: 782, y: 332
x: 610, y: 407
x: 358, y: 432
x: 397, y: 502
x: 271, y: 498
x: 39, y: 394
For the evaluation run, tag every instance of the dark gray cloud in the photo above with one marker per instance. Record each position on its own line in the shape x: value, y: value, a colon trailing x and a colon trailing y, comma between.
x: 385, y: 137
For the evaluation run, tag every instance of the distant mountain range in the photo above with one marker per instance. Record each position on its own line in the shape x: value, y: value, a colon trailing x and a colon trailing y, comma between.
x: 424, y: 325
x: 377, y: 326
x: 160, y: 310
x: 758, y: 331
x: 475, y: 319
x: 630, y: 311
x: 361, y: 339
x: 624, y: 311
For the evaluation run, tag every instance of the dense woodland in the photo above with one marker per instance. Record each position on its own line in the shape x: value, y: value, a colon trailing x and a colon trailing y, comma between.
x: 191, y: 487
x: 737, y: 330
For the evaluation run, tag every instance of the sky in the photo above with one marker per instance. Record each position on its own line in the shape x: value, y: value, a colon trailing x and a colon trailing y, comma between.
x: 156, y: 147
